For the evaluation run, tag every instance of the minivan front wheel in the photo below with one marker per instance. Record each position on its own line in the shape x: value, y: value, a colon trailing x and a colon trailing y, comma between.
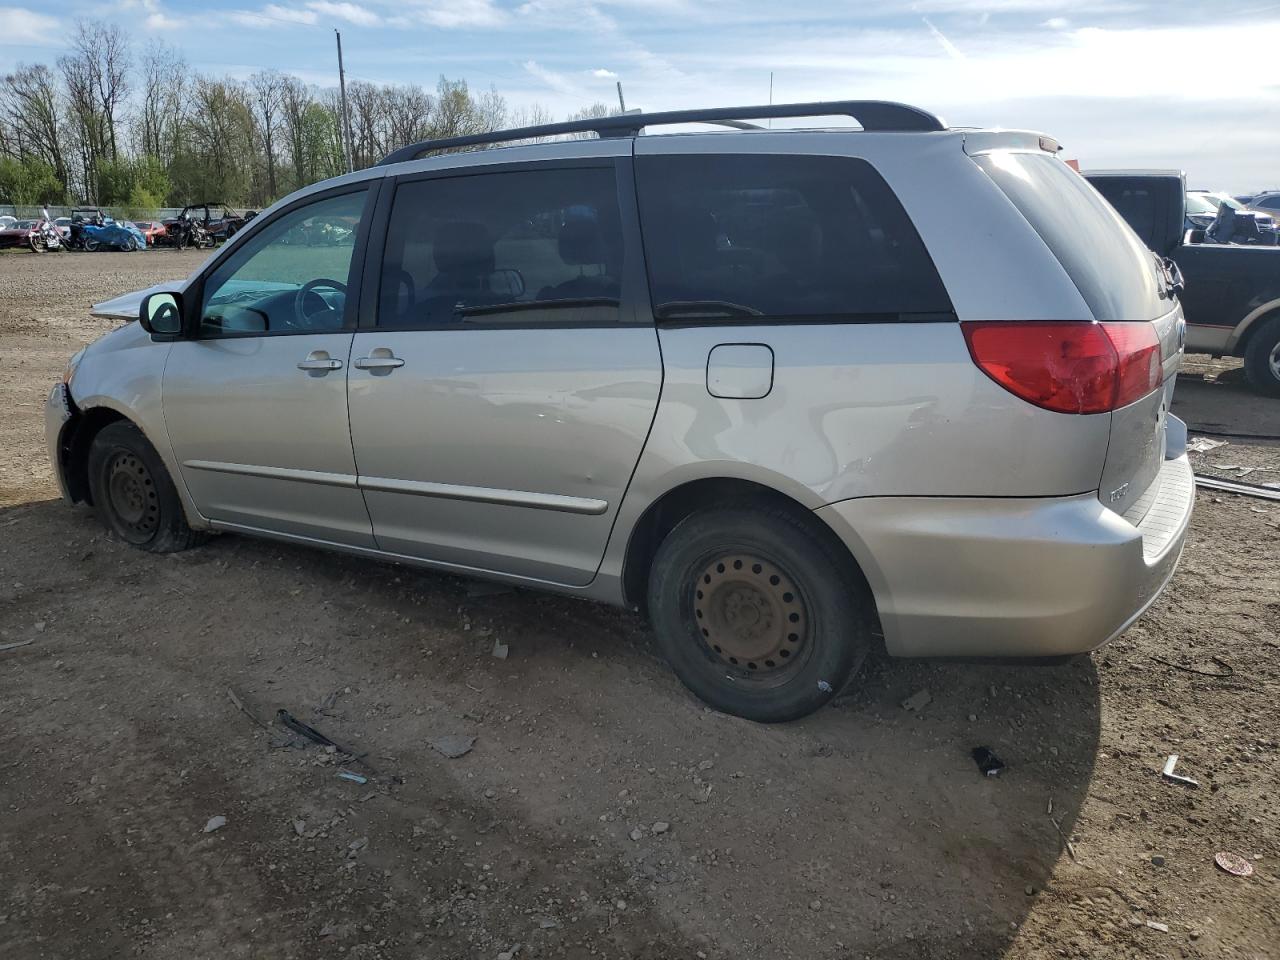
x: 133, y: 494
x: 758, y: 617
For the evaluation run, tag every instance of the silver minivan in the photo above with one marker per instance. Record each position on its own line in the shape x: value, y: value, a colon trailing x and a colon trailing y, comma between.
x: 788, y: 392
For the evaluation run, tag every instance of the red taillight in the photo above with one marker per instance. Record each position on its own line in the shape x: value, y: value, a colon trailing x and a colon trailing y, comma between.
x: 1068, y: 367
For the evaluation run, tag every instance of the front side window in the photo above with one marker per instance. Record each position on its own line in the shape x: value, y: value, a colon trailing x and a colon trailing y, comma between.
x: 1270, y: 203
x: 778, y: 236
x: 291, y: 277
x: 525, y: 246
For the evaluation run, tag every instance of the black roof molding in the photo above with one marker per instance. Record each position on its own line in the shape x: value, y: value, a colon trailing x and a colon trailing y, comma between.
x: 877, y: 115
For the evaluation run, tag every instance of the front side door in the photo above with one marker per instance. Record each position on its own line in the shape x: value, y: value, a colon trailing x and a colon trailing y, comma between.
x: 255, y: 402
x: 502, y: 389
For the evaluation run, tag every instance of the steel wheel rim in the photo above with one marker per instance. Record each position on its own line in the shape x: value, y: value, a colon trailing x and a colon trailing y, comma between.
x: 133, y: 496
x: 1273, y: 360
x: 752, y: 617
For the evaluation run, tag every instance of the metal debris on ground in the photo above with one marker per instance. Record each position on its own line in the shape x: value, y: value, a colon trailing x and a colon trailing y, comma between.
x: 1233, y: 863
x: 453, y: 745
x: 987, y: 762
x: 1168, y: 773
x: 1155, y: 925
x: 215, y: 823
x: 14, y: 646
x: 234, y: 698
x: 1263, y: 491
x: 353, y: 777
x: 1204, y: 444
x: 917, y: 701
x: 315, y: 736
x: 500, y: 649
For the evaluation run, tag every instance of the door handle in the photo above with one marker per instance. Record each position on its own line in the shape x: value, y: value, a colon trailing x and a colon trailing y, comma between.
x: 320, y: 363
x: 378, y: 363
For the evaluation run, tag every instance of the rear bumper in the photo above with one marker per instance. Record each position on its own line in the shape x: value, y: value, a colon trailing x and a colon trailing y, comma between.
x: 1014, y: 577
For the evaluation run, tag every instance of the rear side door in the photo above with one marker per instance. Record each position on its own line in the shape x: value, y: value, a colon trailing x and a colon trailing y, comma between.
x: 505, y: 376
x: 255, y: 400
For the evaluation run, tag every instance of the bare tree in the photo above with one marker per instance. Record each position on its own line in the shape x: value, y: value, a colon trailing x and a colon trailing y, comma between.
x: 409, y: 112
x: 268, y: 88
x: 31, y: 108
x: 160, y: 113
x: 96, y: 82
x: 294, y: 100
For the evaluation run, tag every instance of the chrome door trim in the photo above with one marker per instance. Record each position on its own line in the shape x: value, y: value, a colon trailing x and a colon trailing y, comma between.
x: 274, y: 473
x: 511, y: 498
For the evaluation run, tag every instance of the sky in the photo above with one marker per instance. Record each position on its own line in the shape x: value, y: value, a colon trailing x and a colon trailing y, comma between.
x: 1193, y: 84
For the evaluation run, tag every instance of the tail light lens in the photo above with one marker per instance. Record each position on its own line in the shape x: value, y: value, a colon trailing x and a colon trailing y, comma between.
x: 1068, y: 367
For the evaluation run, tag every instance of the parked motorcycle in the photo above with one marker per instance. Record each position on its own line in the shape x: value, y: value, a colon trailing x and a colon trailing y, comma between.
x: 45, y: 237
x: 187, y: 231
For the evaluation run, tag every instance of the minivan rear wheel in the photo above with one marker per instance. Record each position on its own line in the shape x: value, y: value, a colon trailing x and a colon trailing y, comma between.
x: 133, y: 494
x: 758, y: 617
x: 1262, y: 358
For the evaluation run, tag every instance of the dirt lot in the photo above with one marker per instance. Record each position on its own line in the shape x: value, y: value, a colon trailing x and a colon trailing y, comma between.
x: 602, y: 811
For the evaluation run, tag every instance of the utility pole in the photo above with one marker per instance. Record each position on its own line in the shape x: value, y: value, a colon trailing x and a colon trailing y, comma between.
x: 346, y: 117
x: 622, y: 104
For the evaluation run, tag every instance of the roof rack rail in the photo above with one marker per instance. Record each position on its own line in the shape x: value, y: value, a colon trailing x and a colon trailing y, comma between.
x: 877, y: 115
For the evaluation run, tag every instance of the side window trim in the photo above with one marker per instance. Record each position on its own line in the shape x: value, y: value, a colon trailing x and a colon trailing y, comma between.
x: 193, y: 299
x: 634, y: 307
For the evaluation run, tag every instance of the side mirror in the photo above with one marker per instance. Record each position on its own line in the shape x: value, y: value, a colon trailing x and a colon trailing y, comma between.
x: 161, y: 315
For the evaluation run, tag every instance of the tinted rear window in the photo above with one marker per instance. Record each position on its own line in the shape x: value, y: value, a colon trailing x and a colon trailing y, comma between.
x: 781, y: 237
x: 1113, y: 269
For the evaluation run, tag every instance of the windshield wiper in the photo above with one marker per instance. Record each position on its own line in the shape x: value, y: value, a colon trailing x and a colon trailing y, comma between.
x: 481, y: 309
x: 699, y: 309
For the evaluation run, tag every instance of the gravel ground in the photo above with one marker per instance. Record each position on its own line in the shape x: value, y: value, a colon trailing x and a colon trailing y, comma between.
x: 601, y: 812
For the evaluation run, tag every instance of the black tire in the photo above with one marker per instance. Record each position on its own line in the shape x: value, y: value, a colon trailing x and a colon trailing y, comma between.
x: 133, y: 494
x: 791, y: 617
x: 1262, y: 358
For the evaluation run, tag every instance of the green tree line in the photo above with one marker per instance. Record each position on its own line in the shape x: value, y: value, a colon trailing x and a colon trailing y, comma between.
x: 109, y: 125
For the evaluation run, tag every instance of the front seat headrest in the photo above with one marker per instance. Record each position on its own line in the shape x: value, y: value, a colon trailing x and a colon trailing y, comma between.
x: 580, y: 242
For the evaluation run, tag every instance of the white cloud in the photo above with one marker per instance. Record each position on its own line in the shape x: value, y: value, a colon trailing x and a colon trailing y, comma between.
x: 604, y: 74
x: 952, y: 50
x: 350, y: 12
x: 556, y: 81
x: 272, y: 14
x: 161, y: 21
x: 455, y: 13
x: 1057, y: 23
x: 25, y: 27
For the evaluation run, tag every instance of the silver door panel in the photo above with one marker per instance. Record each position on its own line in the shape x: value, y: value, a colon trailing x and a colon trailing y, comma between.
x: 261, y: 442
x: 503, y: 449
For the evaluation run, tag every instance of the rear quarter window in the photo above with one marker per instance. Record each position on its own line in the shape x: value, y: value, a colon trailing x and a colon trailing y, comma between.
x: 781, y: 237
x: 1111, y: 267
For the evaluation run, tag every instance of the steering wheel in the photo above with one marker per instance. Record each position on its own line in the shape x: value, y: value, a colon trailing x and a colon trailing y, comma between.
x: 305, y: 320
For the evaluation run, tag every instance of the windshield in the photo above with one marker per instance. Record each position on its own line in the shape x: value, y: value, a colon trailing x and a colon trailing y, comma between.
x: 1200, y: 203
x: 1217, y: 198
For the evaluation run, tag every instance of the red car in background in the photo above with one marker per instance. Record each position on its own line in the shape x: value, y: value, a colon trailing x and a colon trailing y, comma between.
x: 153, y: 229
